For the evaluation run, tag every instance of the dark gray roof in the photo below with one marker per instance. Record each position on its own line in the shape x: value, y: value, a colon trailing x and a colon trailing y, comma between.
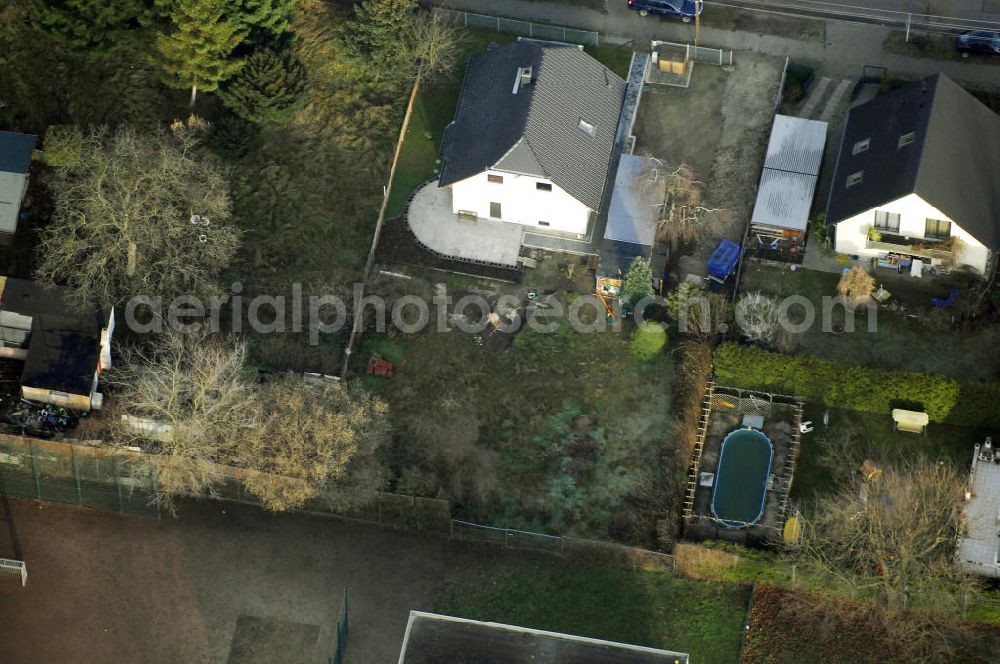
x: 953, y: 162
x: 15, y: 151
x: 434, y: 639
x: 65, y: 343
x: 536, y: 131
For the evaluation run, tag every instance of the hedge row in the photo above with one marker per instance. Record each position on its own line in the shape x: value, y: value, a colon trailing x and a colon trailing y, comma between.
x: 858, y: 388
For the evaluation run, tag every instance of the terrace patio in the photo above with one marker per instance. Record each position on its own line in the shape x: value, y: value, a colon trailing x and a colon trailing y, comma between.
x: 430, y: 217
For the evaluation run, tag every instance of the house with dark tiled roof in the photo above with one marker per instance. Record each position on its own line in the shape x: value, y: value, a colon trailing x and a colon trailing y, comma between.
x: 15, y: 158
x: 533, y: 136
x: 917, y: 182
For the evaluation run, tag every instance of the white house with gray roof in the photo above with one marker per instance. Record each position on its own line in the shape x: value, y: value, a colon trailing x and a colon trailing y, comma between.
x: 918, y: 179
x: 532, y: 138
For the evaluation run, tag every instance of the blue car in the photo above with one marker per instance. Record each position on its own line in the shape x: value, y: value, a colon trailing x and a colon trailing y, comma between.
x: 685, y: 9
x: 978, y: 41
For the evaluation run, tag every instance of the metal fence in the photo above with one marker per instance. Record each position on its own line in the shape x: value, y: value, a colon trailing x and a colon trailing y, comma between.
x: 76, y: 474
x: 583, y: 549
x: 14, y: 568
x: 524, y: 28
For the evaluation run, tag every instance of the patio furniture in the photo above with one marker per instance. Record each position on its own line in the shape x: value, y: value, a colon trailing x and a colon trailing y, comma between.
x: 881, y: 295
x: 805, y: 427
x: 945, y: 302
x: 909, y: 420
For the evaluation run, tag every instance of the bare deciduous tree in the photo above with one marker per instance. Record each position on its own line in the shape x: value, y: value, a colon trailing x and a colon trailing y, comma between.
x: 138, y: 214
x: 893, y: 534
x: 194, y: 407
x: 435, y: 44
x: 308, y: 436
x: 679, y: 198
x: 194, y: 404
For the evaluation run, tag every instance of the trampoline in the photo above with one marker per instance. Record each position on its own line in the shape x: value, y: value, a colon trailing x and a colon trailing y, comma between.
x: 741, y: 478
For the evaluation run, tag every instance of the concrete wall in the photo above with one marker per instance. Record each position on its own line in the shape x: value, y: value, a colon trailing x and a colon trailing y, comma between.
x: 72, y: 401
x: 852, y: 233
x: 521, y: 202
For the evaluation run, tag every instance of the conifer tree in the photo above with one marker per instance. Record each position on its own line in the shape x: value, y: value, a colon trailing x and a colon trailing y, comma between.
x: 264, y: 16
x: 267, y: 89
x: 197, y: 51
x: 90, y: 25
x: 638, y: 282
x: 380, y: 29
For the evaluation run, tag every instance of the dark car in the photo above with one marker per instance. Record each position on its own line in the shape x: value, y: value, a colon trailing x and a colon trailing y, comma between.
x: 685, y: 9
x: 978, y: 41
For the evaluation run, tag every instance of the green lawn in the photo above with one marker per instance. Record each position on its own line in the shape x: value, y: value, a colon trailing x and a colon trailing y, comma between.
x: 900, y: 342
x: 830, y: 452
x: 434, y: 108
x: 654, y: 609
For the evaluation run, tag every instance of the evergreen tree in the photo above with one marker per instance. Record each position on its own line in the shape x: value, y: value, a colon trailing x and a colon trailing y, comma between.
x: 264, y: 16
x: 90, y: 25
x: 638, y: 282
x: 197, y: 51
x: 381, y: 28
x: 267, y: 89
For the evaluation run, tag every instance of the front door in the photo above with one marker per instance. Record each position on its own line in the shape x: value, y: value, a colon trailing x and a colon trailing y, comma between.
x: 495, y: 211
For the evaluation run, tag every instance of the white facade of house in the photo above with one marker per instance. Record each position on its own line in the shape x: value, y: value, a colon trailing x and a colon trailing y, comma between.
x: 913, y: 211
x: 521, y: 201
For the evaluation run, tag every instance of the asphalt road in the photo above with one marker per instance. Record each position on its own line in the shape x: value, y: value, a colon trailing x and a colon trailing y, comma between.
x: 934, y: 15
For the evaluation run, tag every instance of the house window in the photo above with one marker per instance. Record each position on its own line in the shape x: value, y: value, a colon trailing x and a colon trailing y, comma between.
x: 855, y: 178
x: 495, y: 179
x: 887, y: 221
x: 861, y: 146
x: 905, y: 139
x: 495, y: 210
x: 543, y: 186
x: 543, y: 223
x: 937, y: 229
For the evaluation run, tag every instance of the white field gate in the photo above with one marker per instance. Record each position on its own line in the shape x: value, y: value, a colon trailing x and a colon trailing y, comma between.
x: 14, y: 568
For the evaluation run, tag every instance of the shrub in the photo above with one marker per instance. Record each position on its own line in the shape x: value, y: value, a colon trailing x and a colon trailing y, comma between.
x: 648, y: 341
x: 858, y: 388
x: 63, y: 145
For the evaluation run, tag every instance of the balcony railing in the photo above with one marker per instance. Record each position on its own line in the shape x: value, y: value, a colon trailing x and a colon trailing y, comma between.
x: 906, y: 245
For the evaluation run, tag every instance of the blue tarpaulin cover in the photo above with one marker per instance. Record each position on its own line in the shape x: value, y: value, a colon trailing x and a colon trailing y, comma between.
x: 724, y: 259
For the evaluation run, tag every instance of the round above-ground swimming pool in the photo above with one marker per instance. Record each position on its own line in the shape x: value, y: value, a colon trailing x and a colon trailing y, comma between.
x: 741, y: 478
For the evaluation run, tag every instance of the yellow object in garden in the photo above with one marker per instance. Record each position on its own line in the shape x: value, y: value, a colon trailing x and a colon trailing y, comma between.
x: 843, y: 259
x: 793, y: 530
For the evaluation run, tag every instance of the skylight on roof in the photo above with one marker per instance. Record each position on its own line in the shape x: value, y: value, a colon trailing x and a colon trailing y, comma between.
x: 905, y: 139
x: 586, y: 127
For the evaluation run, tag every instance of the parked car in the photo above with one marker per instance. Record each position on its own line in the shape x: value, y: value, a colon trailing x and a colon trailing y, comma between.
x: 978, y: 41
x: 685, y: 9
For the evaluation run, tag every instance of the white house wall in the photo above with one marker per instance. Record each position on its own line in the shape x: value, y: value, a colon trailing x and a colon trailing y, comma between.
x: 913, y: 211
x: 521, y: 202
